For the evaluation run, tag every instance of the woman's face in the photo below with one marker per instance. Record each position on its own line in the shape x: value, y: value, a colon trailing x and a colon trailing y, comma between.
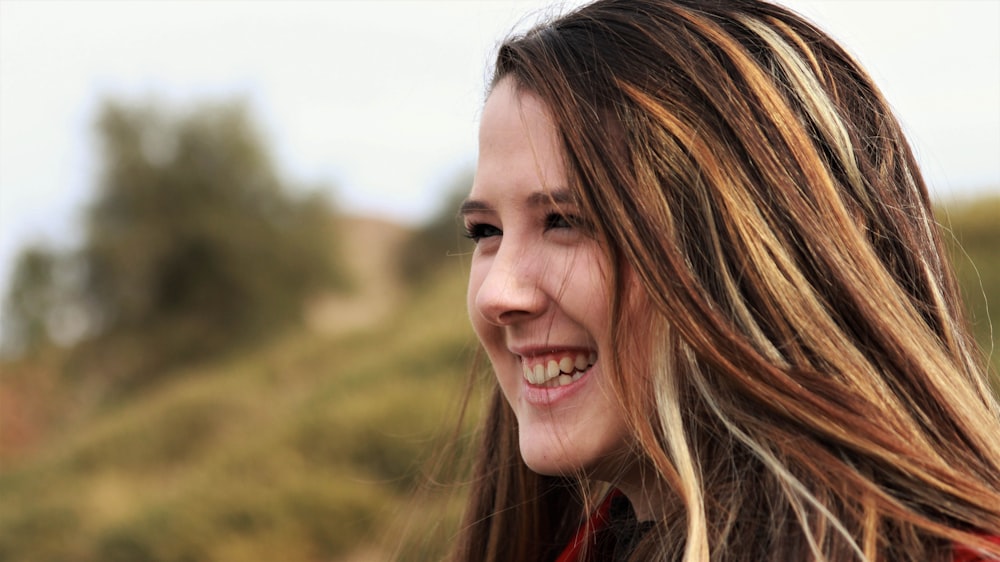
x: 538, y: 292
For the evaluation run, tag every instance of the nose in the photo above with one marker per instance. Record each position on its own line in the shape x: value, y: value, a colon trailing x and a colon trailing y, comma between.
x: 510, y: 288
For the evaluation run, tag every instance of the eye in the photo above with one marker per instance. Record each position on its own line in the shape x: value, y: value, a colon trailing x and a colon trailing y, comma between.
x: 556, y: 220
x: 478, y: 231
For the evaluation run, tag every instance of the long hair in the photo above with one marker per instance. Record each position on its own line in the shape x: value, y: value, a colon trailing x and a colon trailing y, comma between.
x: 797, y: 373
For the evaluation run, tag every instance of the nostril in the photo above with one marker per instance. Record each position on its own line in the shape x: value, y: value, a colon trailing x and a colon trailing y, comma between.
x: 511, y: 316
x: 510, y: 309
x: 512, y: 304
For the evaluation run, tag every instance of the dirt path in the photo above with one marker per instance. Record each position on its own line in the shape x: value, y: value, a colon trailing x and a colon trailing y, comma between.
x: 370, y: 249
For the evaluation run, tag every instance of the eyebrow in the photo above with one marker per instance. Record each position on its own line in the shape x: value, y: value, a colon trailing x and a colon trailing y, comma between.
x: 559, y: 196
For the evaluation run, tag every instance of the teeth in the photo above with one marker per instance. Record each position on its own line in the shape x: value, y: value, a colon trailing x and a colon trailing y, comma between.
x: 563, y: 380
x: 566, y: 365
x: 559, y: 373
x: 552, y: 370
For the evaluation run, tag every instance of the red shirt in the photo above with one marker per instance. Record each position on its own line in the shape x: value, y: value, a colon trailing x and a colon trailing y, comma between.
x: 967, y: 554
x: 598, y: 521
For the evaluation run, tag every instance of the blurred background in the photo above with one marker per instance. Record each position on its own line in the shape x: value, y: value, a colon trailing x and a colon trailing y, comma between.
x: 233, y: 320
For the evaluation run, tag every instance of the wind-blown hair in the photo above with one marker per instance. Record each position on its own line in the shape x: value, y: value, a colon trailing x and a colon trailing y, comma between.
x: 793, y: 359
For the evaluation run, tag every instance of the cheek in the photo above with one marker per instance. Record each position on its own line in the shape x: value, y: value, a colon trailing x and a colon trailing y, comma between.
x: 592, y: 294
x: 484, y: 330
x: 475, y: 282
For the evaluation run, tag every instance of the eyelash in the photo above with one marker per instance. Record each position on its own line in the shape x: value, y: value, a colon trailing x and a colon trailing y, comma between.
x: 478, y: 231
x: 552, y: 220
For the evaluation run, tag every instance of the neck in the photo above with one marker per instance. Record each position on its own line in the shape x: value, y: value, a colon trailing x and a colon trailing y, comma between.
x: 643, y: 492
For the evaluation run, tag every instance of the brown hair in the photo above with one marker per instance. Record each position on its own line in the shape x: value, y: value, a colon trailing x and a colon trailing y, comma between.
x: 808, y: 388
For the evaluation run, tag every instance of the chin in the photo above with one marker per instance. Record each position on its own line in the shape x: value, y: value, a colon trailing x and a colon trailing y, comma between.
x: 550, y: 456
x: 547, y: 454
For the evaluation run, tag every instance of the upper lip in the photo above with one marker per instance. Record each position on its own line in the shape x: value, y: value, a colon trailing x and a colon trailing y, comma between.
x: 538, y: 350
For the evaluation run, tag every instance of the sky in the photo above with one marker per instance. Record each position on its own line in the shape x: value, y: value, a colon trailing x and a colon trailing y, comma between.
x: 379, y: 100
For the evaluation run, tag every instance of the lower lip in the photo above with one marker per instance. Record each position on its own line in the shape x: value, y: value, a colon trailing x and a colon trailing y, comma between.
x: 549, y: 396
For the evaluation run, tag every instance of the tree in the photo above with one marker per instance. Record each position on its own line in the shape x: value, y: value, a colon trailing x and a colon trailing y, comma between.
x: 30, y: 300
x: 193, y: 243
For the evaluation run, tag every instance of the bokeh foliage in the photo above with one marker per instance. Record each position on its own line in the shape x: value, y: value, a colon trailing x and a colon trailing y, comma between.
x: 193, y: 245
x: 32, y: 296
x: 307, y: 448
x: 438, y: 241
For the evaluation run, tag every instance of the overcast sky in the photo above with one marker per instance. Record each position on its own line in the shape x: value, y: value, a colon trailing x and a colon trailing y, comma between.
x: 381, y: 99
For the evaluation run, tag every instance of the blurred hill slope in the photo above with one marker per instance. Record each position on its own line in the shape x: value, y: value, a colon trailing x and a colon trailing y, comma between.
x: 300, y: 449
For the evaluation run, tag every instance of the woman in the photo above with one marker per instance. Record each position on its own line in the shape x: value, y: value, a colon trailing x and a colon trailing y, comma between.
x: 716, y: 303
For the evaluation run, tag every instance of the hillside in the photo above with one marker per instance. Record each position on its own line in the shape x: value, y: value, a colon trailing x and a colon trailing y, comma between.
x: 302, y: 449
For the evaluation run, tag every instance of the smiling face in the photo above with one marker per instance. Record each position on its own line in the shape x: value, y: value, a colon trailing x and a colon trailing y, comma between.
x: 538, y: 291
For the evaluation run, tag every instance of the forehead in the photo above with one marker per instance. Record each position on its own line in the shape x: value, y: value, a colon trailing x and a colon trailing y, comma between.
x: 511, y: 111
x: 519, y: 146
